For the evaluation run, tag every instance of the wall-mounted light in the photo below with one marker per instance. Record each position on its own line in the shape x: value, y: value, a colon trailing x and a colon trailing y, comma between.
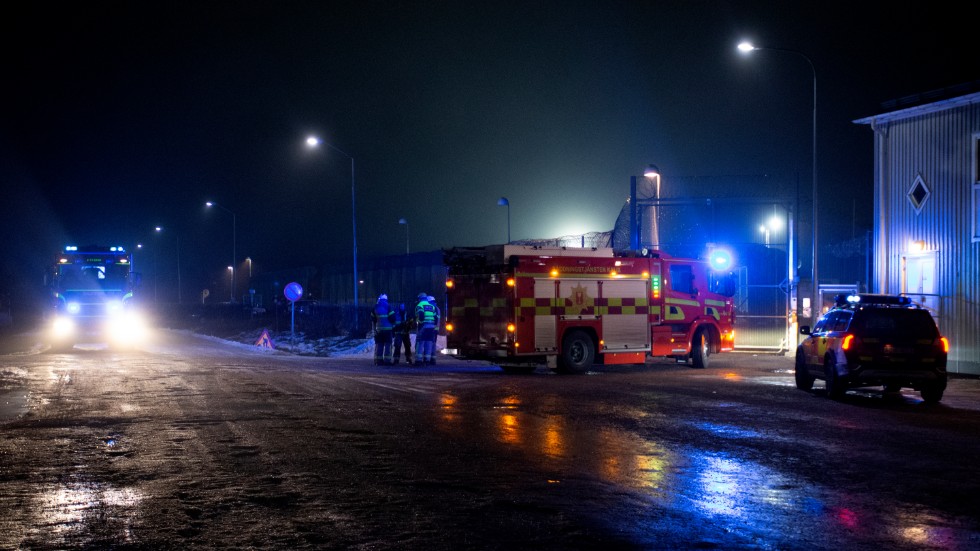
x: 917, y: 246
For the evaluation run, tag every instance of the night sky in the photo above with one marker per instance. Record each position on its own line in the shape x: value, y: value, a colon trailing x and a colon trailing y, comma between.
x: 119, y: 116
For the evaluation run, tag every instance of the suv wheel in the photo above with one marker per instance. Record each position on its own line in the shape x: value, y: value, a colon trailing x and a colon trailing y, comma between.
x: 932, y: 393
x: 804, y: 380
x: 835, y: 384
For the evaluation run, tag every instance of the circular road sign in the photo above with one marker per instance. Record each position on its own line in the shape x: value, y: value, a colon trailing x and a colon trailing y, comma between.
x: 293, y: 291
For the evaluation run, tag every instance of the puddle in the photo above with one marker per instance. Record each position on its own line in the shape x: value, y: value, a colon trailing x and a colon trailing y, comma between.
x: 13, y: 404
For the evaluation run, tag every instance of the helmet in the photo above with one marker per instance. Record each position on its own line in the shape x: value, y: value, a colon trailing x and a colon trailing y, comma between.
x: 430, y: 298
x: 421, y: 296
x: 382, y: 297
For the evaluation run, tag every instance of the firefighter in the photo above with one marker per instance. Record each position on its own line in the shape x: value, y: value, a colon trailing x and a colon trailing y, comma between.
x: 415, y: 325
x: 427, y: 317
x: 383, y: 319
x: 400, y: 330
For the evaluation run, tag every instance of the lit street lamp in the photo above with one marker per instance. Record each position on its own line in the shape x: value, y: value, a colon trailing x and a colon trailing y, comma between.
x: 313, y: 142
x: 653, y: 172
x: 503, y: 202
x: 234, y: 237
x: 405, y: 222
x: 160, y: 229
x: 746, y: 47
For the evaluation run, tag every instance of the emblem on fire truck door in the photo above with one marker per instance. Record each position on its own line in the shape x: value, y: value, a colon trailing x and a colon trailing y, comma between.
x: 580, y: 300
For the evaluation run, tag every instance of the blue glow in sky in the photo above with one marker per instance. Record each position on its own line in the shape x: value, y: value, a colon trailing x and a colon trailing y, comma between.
x: 120, y: 116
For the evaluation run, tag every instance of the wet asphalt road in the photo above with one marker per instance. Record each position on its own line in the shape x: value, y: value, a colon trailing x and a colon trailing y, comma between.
x: 192, y: 443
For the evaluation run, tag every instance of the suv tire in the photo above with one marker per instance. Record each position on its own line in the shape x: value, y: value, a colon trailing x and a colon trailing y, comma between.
x: 804, y: 380
x: 835, y: 384
x: 932, y: 393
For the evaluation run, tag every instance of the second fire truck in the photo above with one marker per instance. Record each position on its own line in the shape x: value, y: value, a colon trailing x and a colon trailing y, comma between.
x: 521, y: 306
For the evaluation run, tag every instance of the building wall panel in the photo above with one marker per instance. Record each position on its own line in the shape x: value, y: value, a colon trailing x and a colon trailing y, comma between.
x: 938, y: 147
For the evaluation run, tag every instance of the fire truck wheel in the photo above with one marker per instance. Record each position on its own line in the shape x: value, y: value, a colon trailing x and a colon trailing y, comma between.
x: 577, y: 353
x: 700, y: 350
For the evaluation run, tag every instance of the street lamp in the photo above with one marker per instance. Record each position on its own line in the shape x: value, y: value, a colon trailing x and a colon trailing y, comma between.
x: 503, y: 202
x: 160, y: 229
x: 234, y: 237
x: 313, y: 142
x: 405, y: 222
x: 653, y: 172
x: 775, y: 223
x: 747, y: 47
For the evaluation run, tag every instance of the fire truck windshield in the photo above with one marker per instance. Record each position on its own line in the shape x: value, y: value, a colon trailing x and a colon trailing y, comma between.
x: 72, y: 276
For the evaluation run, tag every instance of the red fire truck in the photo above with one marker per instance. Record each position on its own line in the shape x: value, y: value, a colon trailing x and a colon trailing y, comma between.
x: 522, y: 306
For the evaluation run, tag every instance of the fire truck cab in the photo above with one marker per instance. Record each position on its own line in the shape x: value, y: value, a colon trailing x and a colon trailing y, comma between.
x: 522, y: 306
x: 92, y: 292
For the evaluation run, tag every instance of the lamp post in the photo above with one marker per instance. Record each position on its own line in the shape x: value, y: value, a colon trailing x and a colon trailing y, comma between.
x: 231, y: 270
x: 653, y: 172
x: 503, y: 202
x: 405, y: 222
x: 747, y: 47
x: 313, y: 142
x: 160, y: 230
x: 234, y: 237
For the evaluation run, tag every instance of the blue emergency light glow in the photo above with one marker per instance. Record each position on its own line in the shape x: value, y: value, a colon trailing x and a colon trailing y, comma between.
x: 720, y: 259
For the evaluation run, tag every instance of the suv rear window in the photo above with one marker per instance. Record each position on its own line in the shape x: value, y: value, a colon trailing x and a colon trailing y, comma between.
x: 882, y: 322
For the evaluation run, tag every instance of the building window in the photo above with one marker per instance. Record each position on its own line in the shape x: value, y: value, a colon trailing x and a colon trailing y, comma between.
x: 918, y: 194
x: 976, y: 188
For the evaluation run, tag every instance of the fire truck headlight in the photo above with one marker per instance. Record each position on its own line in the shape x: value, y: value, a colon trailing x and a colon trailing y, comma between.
x: 62, y: 327
x: 128, y: 329
x: 73, y: 307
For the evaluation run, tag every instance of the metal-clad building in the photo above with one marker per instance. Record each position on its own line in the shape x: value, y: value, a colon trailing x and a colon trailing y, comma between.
x: 927, y: 214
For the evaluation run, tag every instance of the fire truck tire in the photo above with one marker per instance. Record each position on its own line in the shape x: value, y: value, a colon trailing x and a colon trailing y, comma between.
x: 700, y: 350
x: 577, y: 353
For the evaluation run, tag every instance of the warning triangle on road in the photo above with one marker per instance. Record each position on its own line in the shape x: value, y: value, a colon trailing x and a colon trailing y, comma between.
x: 265, y: 341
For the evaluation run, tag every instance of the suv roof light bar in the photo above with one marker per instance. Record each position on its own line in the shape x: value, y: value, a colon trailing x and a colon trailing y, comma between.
x: 864, y: 299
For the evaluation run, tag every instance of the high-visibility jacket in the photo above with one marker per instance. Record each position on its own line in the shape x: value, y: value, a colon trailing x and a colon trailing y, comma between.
x: 426, y: 313
x: 383, y: 316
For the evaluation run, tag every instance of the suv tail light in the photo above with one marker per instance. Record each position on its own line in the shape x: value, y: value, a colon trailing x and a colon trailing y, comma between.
x: 848, y: 342
x: 943, y: 343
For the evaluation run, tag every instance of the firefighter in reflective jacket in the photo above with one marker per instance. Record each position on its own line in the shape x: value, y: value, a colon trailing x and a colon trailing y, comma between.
x: 403, y: 324
x: 427, y: 318
x: 383, y: 318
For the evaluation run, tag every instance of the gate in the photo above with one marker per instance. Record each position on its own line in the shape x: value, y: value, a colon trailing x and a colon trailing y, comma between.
x: 758, y: 231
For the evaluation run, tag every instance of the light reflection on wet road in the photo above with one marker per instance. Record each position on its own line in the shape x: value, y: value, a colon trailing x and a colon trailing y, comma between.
x: 180, y: 448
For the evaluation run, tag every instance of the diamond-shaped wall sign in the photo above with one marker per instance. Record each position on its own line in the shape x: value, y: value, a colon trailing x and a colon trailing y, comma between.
x: 919, y: 194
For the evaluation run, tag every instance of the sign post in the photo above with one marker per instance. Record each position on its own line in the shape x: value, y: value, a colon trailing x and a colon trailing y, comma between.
x: 293, y: 292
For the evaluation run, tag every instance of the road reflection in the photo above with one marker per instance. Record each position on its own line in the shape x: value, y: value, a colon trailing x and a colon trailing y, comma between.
x: 713, y: 486
x: 66, y: 512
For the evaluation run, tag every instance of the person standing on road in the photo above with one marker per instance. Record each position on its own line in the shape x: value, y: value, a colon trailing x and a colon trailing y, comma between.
x: 416, y: 324
x: 400, y: 330
x: 427, y: 316
x: 383, y: 319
